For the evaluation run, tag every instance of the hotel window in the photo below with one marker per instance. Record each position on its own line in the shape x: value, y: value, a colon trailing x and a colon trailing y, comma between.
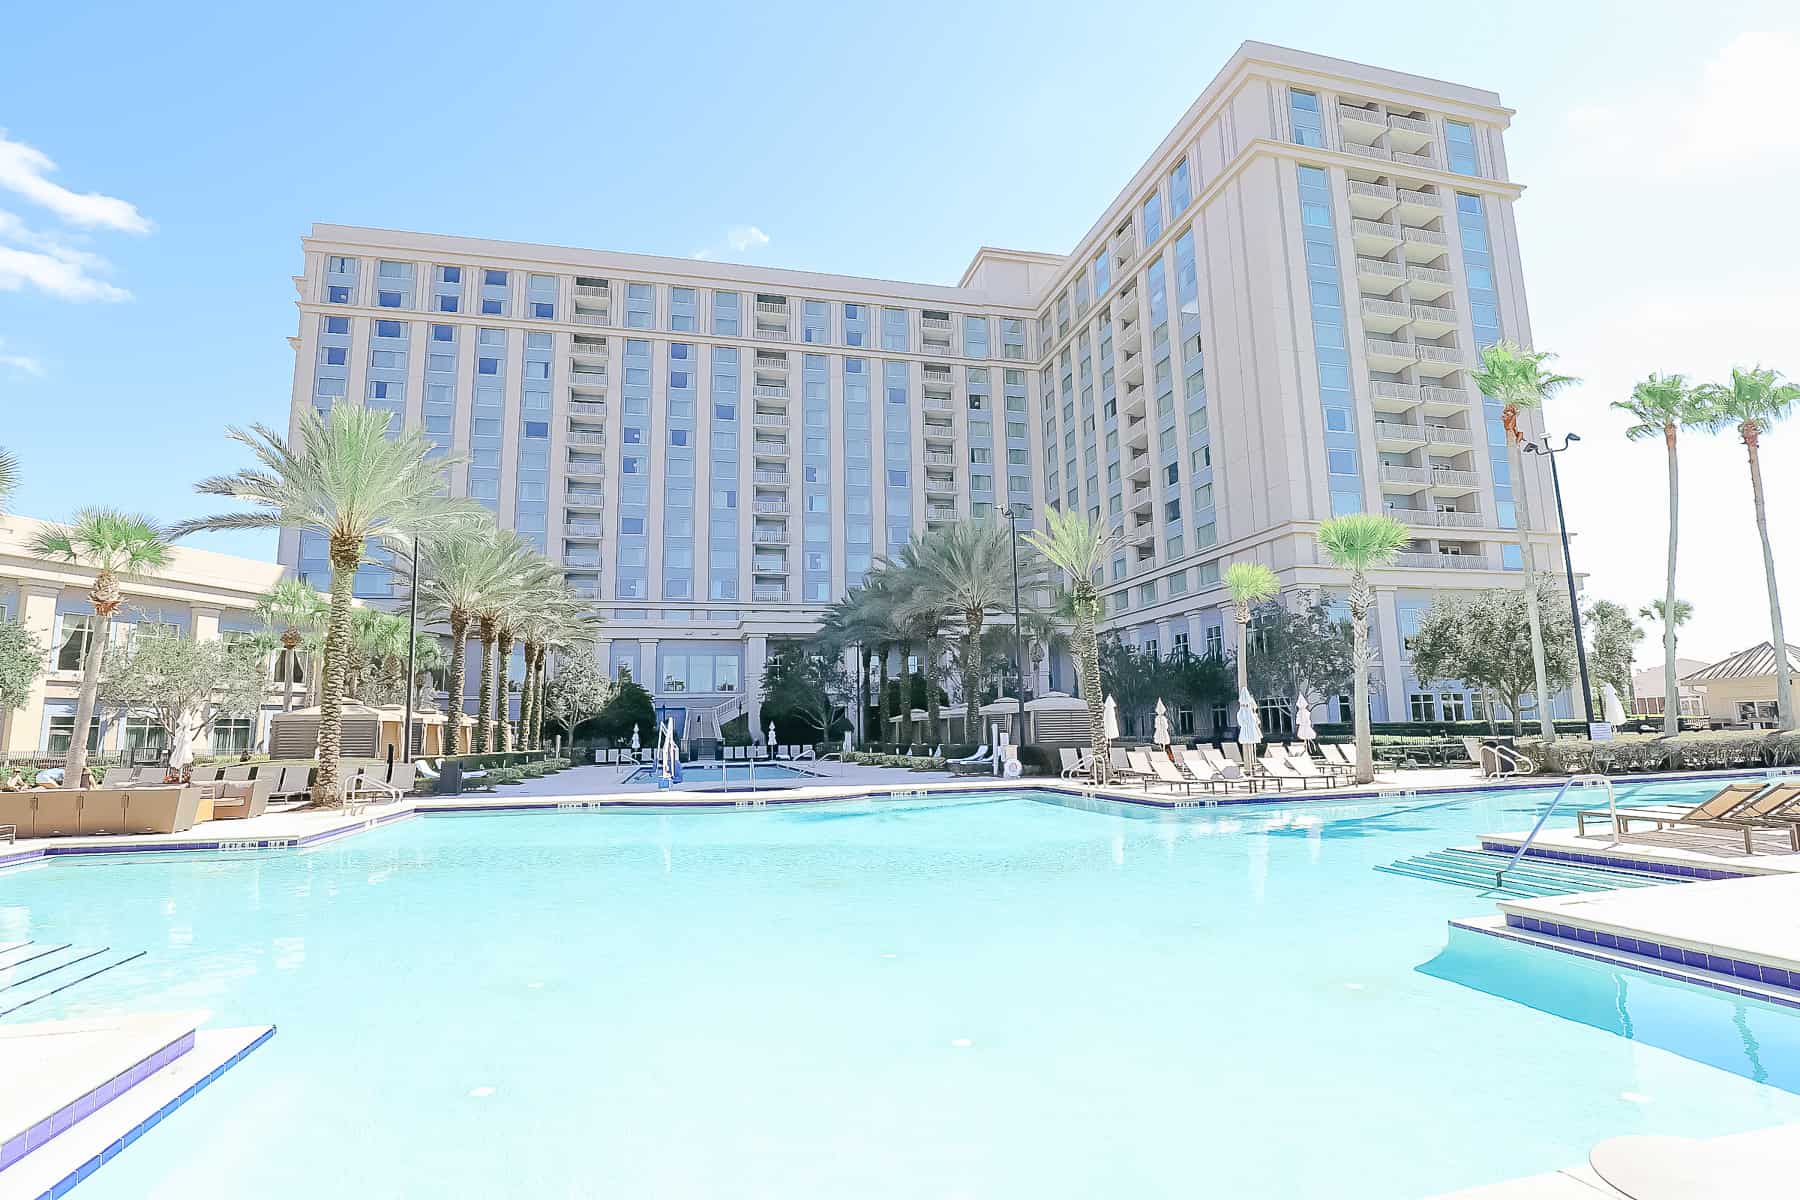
x: 975, y: 337
x: 894, y: 334
x: 1012, y: 337
x: 856, y: 325
x: 233, y: 735
x: 815, y: 322
x: 1422, y: 706
x: 61, y: 731
x: 72, y: 641
x: 1102, y: 274
x: 1181, y: 189
x: 495, y: 297
x: 684, y: 309
x: 1303, y: 112
x: 541, y: 296
x: 1153, y: 221
x: 1459, y: 137
x: 726, y: 311
x: 640, y: 306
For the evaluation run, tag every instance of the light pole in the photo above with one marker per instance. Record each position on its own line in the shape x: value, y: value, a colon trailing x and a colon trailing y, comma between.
x: 1544, y: 448
x: 412, y: 647
x: 1012, y: 524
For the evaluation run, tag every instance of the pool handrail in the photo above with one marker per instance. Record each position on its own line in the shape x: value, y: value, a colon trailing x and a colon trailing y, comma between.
x: 1573, y: 781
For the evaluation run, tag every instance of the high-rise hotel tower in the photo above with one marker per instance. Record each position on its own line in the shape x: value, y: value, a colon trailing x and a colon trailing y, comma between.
x: 1273, y: 322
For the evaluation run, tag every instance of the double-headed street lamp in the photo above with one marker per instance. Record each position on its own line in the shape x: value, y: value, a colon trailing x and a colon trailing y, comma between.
x: 1543, y: 447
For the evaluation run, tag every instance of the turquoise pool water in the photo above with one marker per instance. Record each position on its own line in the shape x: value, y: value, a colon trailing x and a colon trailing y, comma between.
x: 997, y: 997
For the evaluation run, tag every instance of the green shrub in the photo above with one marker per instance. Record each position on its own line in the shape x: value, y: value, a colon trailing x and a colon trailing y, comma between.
x: 1700, y: 751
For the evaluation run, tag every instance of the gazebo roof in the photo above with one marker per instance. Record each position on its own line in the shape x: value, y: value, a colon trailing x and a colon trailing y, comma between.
x: 1758, y: 662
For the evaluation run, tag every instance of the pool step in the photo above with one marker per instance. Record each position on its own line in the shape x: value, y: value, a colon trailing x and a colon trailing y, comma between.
x: 1531, y: 877
x: 38, y: 970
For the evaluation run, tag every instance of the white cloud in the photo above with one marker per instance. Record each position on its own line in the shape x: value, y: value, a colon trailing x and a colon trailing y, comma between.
x: 32, y: 258
x: 24, y: 364
x: 23, y: 170
x: 739, y: 239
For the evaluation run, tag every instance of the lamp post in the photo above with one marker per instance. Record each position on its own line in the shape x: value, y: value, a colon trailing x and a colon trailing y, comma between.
x: 1544, y: 448
x: 1012, y: 523
x: 412, y: 647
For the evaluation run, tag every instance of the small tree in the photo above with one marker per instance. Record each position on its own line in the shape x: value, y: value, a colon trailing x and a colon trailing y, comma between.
x: 1132, y: 677
x: 1484, y: 639
x: 1302, y: 653
x: 805, y: 691
x: 22, y: 658
x: 628, y: 707
x: 1612, y: 644
x: 166, y: 678
x: 579, y: 690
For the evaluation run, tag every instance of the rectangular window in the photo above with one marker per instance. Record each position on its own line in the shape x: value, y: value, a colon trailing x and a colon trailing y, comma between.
x: 1303, y: 113
x: 1181, y: 191
x: 1460, y: 138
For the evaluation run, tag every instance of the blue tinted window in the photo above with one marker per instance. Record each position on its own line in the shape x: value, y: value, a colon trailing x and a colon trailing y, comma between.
x: 537, y: 429
x: 494, y: 278
x: 540, y: 309
x: 493, y: 308
x: 443, y: 333
x: 336, y: 355
x: 447, y: 304
x: 487, y: 366
x: 337, y: 295
x: 387, y: 329
x: 388, y: 299
x: 1460, y: 138
x: 1303, y: 109
x: 451, y: 274
x: 337, y: 324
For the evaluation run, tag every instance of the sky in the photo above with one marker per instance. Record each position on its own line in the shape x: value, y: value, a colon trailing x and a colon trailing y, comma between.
x: 160, y: 163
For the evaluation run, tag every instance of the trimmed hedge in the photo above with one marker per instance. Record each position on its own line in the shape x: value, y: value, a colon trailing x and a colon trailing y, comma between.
x: 1722, y: 750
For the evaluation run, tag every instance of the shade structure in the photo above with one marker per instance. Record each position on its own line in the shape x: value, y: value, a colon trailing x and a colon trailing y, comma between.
x: 1303, y: 726
x: 1160, y: 734
x: 1112, y: 718
x: 1248, y: 722
x: 1615, y: 712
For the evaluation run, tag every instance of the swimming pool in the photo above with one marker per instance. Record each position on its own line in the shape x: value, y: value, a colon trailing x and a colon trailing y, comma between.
x: 992, y: 996
x: 738, y: 777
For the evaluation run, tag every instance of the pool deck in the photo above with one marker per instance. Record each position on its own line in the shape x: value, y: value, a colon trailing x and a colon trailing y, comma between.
x: 1742, y: 1166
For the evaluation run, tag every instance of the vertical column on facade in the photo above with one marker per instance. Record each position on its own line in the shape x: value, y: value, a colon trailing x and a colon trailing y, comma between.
x: 756, y: 656
x: 37, y: 612
x: 1389, y: 650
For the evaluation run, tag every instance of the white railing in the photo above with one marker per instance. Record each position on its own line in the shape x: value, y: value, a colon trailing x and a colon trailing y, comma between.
x: 1374, y: 266
x: 1411, y: 124
x: 1388, y: 348
x: 1443, y: 395
x: 1400, y: 431
x: 1405, y: 475
x: 1380, y: 229
x: 1373, y: 306
x: 1428, y: 275
x: 1374, y: 191
x: 1443, y: 435
x: 1434, y: 312
x: 1381, y: 389
x: 1419, y: 198
x: 1423, y: 237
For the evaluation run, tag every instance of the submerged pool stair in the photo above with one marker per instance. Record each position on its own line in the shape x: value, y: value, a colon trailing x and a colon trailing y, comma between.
x: 1529, y: 877
x: 34, y: 971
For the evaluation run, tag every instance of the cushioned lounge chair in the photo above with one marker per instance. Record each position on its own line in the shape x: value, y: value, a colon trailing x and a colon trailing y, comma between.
x: 1203, y: 770
x: 1279, y: 767
x: 1715, y: 806
x: 1162, y: 772
x: 118, y: 777
x: 240, y: 803
x: 1306, y: 768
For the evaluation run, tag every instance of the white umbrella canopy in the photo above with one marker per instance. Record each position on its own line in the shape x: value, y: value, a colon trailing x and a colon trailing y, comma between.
x: 1112, y: 718
x: 1248, y: 722
x: 1303, y: 726
x: 1615, y: 711
x: 771, y: 733
x: 634, y: 737
x: 1159, y: 736
x: 181, y: 747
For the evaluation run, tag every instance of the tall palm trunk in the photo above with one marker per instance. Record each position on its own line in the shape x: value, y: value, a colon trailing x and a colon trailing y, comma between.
x: 1087, y: 658
x: 971, y: 676
x: 539, y: 689
x: 885, y: 708
x: 106, y: 602
x: 1784, y: 682
x: 503, y: 642
x: 345, y: 553
x: 484, y: 701
x: 1533, y: 619
x: 1243, y: 654
x: 453, y: 719
x: 290, y: 645
x: 862, y: 689
x: 1362, y: 599
x: 929, y: 660
x: 1671, y: 686
x: 526, y: 690
x: 903, y: 707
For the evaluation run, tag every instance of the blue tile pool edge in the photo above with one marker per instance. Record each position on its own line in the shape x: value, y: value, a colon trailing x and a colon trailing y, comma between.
x: 42, y: 1133
x: 1643, y: 961
x: 1680, y: 870
x: 63, y: 1186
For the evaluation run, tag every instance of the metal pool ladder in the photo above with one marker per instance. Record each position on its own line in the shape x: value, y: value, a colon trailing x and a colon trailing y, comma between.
x: 1573, y: 781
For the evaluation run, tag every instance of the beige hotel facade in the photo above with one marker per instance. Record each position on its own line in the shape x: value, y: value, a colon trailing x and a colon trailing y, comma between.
x: 1274, y: 320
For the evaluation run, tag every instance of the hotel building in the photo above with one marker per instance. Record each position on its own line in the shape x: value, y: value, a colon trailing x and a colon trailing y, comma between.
x: 1273, y: 322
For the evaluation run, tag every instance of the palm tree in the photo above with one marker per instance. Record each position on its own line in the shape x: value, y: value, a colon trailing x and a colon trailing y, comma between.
x: 9, y: 477
x: 353, y: 482
x: 1517, y: 378
x: 965, y: 570
x: 1079, y: 549
x: 1751, y: 403
x: 1663, y: 404
x: 290, y: 605
x: 456, y: 577
x: 538, y: 578
x: 1355, y: 543
x: 1250, y: 584
x: 517, y: 574
x: 910, y: 618
x: 115, y: 545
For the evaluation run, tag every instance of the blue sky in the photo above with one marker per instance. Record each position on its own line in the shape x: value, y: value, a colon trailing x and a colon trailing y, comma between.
x: 875, y: 139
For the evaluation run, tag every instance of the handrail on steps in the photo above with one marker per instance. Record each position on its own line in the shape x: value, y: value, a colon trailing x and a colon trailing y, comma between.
x: 1573, y: 781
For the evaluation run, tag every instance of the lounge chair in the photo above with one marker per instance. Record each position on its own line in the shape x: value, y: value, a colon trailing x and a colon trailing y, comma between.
x: 1161, y: 770
x: 118, y: 777
x: 387, y: 790
x: 1337, y: 752
x: 1203, y: 770
x: 1739, y: 807
x: 149, y: 776
x: 981, y: 758
x: 238, y: 773
x: 1073, y: 763
x: 204, y: 774
x: 1233, y: 752
x: 1280, y: 768
x: 293, y: 783
x: 1307, y: 769
x: 251, y: 803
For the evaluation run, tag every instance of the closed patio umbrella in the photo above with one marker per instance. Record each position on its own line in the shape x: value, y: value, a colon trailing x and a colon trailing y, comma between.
x: 181, y: 748
x: 1303, y: 726
x: 1615, y: 711
x: 1112, y: 718
x: 1249, y: 725
x: 1160, y: 734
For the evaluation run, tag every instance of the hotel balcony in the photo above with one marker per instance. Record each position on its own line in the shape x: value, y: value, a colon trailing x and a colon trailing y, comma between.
x: 583, y: 497
x: 1132, y: 370
x: 1399, y: 436
x: 1371, y: 201
x: 1431, y: 320
x: 1129, y: 339
x: 773, y: 508
x: 941, y: 378
x: 1361, y: 151
x: 1423, y: 245
x: 1408, y: 133
x: 1446, y: 481
x: 934, y: 346
x: 587, y: 383
x: 937, y: 458
x: 769, y: 391
x: 1417, y: 205
x: 588, y: 351
x: 1383, y: 316
x: 935, y: 324
x: 940, y: 487
x: 1445, y: 562
x: 1374, y: 237
x: 1125, y: 309
x: 589, y: 528
x: 938, y: 402
x: 1365, y: 124
x: 584, y: 468
x: 772, y: 306
x: 768, y: 363
x: 769, y: 449
x: 587, y: 410
x: 1438, y: 361
x: 772, y: 333
x: 1403, y: 479
x: 580, y: 317
x: 1378, y: 276
x: 1385, y: 354
x: 1443, y: 401
x: 769, y: 537
x: 768, y: 595
x: 765, y: 420
x: 937, y: 431
x: 768, y: 478
x: 938, y: 512
x: 593, y: 303
x: 1392, y: 397
x: 1426, y: 160
x: 1444, y: 435
x: 1427, y: 283
x: 587, y: 437
x: 1123, y: 248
